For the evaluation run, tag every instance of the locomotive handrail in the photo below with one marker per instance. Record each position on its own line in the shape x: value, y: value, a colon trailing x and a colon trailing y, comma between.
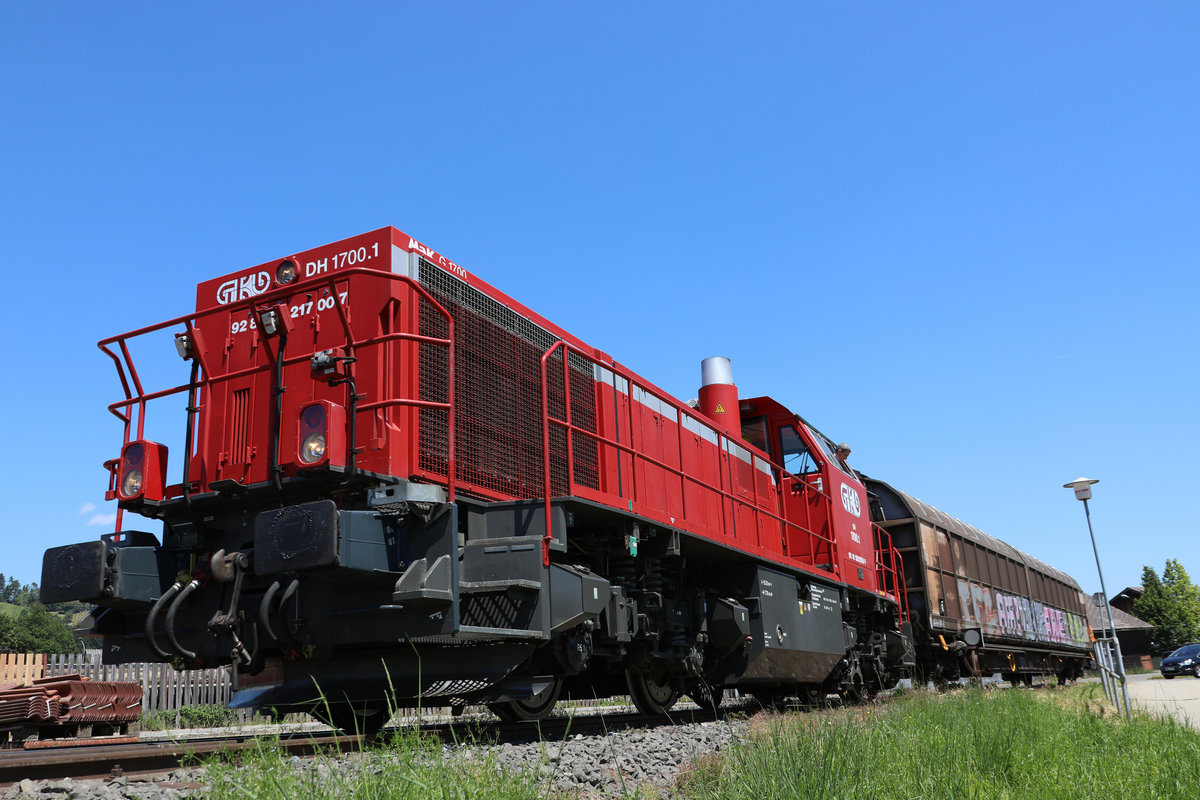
x: 631, y: 449
x: 894, y: 569
x: 136, y: 396
x: 815, y: 495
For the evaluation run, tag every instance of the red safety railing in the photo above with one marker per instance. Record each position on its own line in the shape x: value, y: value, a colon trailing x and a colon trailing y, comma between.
x: 137, y: 398
x: 730, y: 501
x: 890, y: 571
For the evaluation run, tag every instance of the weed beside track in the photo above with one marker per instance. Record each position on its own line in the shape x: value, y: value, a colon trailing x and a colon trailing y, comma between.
x: 992, y: 745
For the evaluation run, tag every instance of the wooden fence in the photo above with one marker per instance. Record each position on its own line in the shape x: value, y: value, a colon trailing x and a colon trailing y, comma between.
x: 163, y: 688
x: 22, y: 668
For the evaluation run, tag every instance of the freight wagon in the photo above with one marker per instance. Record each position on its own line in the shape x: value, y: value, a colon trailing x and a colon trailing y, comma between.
x: 978, y: 605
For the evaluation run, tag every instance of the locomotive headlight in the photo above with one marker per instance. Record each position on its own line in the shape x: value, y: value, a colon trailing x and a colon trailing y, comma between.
x: 132, y: 461
x: 313, y: 448
x: 132, y: 483
x: 322, y: 435
x: 285, y: 273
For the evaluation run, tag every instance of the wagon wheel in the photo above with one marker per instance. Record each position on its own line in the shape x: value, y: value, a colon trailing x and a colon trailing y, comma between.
x: 771, y: 699
x: 529, y: 709
x: 653, y: 691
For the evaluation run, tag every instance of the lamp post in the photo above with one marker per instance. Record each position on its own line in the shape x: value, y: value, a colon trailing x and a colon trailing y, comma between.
x: 1083, y: 491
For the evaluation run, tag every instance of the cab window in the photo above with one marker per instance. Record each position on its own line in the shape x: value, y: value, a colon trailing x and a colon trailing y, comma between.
x: 796, y: 457
x: 754, y: 431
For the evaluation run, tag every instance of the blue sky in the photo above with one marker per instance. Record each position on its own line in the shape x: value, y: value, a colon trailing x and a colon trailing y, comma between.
x: 961, y: 237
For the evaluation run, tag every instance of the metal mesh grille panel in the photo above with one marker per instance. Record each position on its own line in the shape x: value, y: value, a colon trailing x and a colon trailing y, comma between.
x: 489, y: 610
x: 497, y: 395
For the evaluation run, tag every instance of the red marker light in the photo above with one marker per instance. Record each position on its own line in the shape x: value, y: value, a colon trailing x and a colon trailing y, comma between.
x: 143, y: 466
x: 322, y: 439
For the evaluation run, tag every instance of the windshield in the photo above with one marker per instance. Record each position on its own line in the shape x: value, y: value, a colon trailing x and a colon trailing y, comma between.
x: 1186, y: 651
x: 829, y: 449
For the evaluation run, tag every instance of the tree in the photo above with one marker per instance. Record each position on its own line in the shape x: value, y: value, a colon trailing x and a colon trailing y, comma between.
x: 36, y: 630
x: 26, y: 595
x: 10, y: 590
x: 1171, y: 604
x: 1186, y: 598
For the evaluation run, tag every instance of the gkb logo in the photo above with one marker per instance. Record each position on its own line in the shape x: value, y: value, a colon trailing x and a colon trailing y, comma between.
x: 240, y: 288
x: 851, y: 500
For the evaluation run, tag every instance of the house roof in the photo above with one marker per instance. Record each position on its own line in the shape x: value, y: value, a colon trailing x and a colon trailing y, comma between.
x: 1132, y: 592
x: 1098, y: 619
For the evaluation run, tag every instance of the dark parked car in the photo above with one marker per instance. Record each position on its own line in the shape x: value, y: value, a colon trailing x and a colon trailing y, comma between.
x: 1184, y: 661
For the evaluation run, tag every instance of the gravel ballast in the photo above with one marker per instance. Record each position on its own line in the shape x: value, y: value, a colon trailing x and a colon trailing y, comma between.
x: 610, y: 764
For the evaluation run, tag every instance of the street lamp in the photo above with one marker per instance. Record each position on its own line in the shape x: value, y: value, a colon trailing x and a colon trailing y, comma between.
x: 1083, y: 491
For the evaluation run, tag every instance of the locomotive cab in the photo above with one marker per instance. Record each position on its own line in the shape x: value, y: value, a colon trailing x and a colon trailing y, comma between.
x: 815, y: 468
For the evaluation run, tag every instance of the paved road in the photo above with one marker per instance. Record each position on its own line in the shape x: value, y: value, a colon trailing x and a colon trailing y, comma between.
x: 1179, y: 697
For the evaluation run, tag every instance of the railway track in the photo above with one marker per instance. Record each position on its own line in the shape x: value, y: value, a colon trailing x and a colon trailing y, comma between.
x: 156, y: 760
x: 83, y: 760
x: 130, y: 759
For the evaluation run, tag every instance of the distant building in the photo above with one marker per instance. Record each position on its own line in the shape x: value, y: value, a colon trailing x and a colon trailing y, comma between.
x: 1132, y: 633
x: 1125, y: 599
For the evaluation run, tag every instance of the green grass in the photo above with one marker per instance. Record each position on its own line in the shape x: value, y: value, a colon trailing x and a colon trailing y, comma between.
x: 9, y: 610
x: 976, y: 744
x: 407, y: 766
x: 993, y: 745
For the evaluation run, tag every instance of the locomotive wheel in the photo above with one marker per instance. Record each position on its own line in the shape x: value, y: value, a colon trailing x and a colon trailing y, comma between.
x: 365, y: 721
x: 529, y: 709
x: 652, y: 691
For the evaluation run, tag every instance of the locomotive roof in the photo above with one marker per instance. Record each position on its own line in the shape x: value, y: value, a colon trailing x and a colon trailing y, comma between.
x: 922, y: 510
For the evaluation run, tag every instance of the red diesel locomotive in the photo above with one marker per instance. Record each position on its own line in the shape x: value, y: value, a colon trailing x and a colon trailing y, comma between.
x: 398, y: 484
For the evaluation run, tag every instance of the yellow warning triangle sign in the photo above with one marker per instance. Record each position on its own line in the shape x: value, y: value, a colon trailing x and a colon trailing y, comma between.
x: 720, y: 409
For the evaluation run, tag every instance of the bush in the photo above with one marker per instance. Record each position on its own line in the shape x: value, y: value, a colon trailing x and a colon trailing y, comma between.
x: 189, y: 717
